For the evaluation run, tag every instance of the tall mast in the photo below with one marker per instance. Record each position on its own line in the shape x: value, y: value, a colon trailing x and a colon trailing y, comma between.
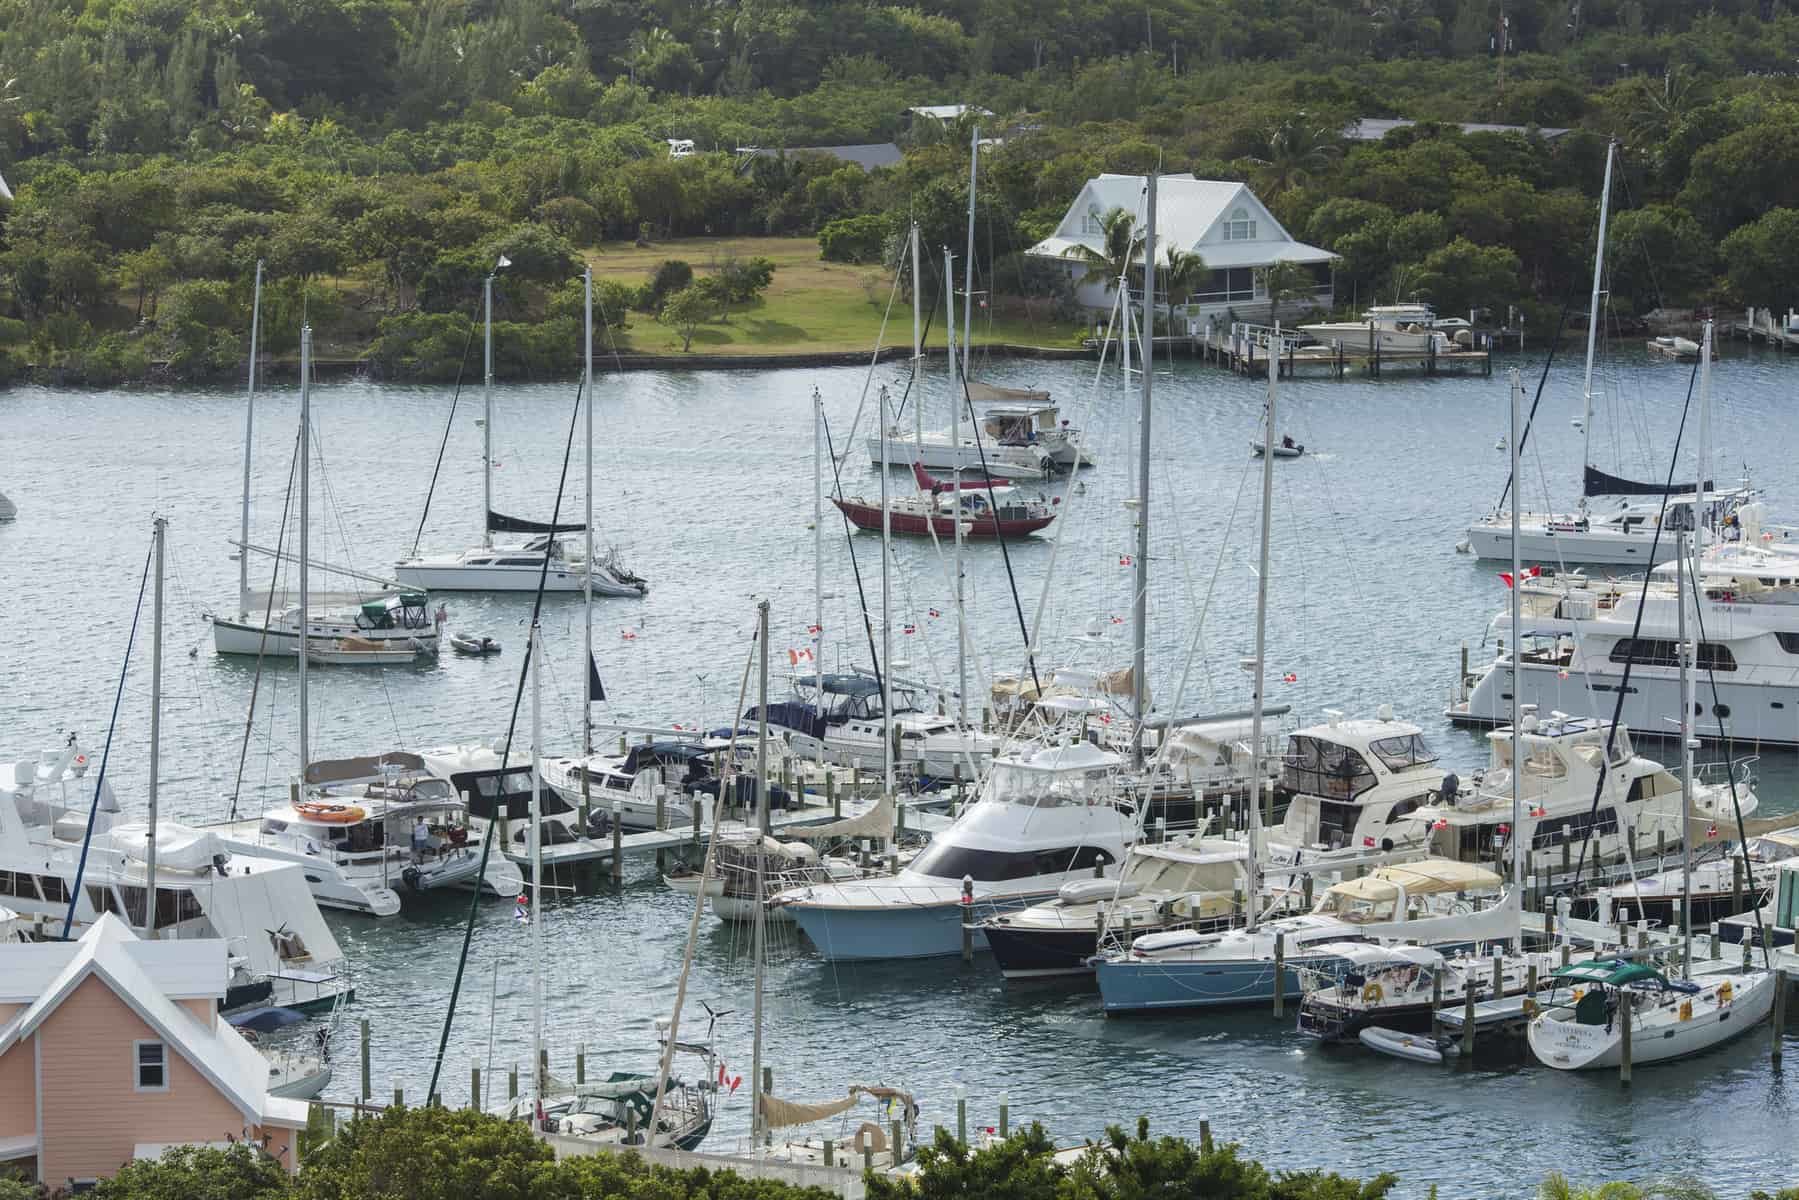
x: 1687, y: 740
x: 533, y: 650
x: 958, y: 390
x: 1687, y: 734
x: 1586, y: 389
x: 1517, y: 597
x: 757, y: 1123
x: 162, y: 534
x: 1254, y: 864
x: 305, y: 526
x: 974, y: 162
x: 818, y: 553
x: 243, y: 536
x: 1700, y: 485
x: 487, y: 408
x: 587, y: 566
x: 1140, y: 576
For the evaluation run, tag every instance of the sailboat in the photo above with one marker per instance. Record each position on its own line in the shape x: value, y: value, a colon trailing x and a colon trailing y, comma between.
x: 351, y: 823
x: 379, y: 624
x: 518, y: 566
x: 1626, y: 533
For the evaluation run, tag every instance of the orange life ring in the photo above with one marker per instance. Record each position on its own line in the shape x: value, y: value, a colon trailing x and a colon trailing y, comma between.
x: 330, y: 814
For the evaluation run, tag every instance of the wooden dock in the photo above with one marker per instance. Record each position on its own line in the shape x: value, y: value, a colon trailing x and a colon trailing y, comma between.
x: 1761, y: 325
x: 1245, y: 347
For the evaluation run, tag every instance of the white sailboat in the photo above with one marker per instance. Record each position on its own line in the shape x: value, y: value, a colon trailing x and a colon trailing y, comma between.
x: 544, y: 555
x: 377, y: 624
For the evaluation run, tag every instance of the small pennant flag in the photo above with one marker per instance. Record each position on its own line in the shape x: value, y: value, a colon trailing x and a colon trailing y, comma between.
x: 1440, y: 824
x: 628, y: 635
x: 908, y: 629
x: 935, y: 613
x: 1505, y: 831
x: 521, y: 911
x: 1539, y: 812
x: 723, y: 1077
x: 735, y: 1081
x: 1117, y: 620
x: 1289, y: 677
x: 1529, y: 573
x: 595, y: 689
x: 815, y: 629
x: 1124, y: 560
x: 504, y: 262
x: 1711, y: 831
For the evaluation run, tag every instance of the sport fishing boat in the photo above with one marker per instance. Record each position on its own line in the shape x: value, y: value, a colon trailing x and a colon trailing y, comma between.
x: 1361, y: 985
x: 1045, y: 815
x: 1393, y: 328
x: 1193, y: 883
x: 844, y: 721
x: 278, y: 948
x: 369, y: 831
x: 1669, y: 1018
x: 1432, y: 902
x: 987, y: 512
x: 1580, y: 636
x: 1609, y: 826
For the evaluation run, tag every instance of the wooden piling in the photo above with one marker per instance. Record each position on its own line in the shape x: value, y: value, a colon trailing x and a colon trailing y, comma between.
x: 1717, y: 943
x: 1205, y: 1137
x: 512, y: 1083
x: 1468, y: 1016
x: 898, y: 1145
x: 967, y: 918
x: 1005, y: 1113
x: 868, y: 1155
x: 581, y: 1064
x: 543, y: 1071
x: 1625, y: 1000
x: 962, y: 1120
x: 367, y: 1091
x: 618, y: 842
x: 1780, y: 1013
x: 1436, y: 1002
x: 399, y: 1097
x: 832, y: 796
x: 693, y: 801
x: 1736, y: 885
x: 474, y: 1088
x: 1280, y: 974
x: 828, y: 1161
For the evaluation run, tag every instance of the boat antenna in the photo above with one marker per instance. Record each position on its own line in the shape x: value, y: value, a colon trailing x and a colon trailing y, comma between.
x: 518, y: 695
x: 112, y: 727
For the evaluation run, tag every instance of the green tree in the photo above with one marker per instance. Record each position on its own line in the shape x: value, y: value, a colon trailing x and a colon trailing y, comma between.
x: 685, y: 311
x: 1285, y: 282
x: 145, y: 272
x: 1658, y: 255
x: 1461, y: 276
x: 237, y: 1172
x: 428, y: 1153
x: 1120, y: 247
x: 1183, y: 274
x: 1761, y: 261
x: 1295, y: 152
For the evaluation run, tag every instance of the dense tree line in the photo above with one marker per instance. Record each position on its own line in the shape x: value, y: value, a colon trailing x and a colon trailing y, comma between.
x: 380, y: 154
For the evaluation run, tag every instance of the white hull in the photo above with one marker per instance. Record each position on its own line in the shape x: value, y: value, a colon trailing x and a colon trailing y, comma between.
x: 1657, y: 1034
x: 1356, y: 337
x: 460, y: 577
x: 1012, y: 462
x: 1590, y: 546
x: 231, y: 636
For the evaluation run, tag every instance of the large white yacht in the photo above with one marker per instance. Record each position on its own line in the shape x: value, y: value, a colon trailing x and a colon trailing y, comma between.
x: 279, y: 949
x: 1569, y: 817
x: 1582, y: 634
x: 1353, y: 784
x: 1622, y: 535
x: 400, y: 620
x: 354, y: 833
x: 1045, y: 815
x: 846, y: 717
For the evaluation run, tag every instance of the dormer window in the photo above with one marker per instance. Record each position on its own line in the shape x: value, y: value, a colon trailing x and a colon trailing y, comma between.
x: 1094, y: 222
x: 1241, y: 227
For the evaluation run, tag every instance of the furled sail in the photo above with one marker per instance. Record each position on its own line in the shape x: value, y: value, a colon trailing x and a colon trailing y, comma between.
x: 498, y: 522
x: 777, y: 1113
x: 1599, y: 483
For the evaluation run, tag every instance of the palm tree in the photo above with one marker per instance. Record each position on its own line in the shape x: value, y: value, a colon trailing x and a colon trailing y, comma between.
x: 1284, y: 281
x: 1293, y: 152
x: 1183, y: 273
x: 1662, y: 105
x: 1119, y: 248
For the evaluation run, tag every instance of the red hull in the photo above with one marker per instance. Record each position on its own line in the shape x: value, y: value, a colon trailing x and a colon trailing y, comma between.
x: 868, y: 516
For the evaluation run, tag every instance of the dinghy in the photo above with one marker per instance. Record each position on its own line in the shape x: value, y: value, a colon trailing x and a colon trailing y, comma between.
x: 1287, y: 449
x: 469, y: 643
x: 1413, y: 1047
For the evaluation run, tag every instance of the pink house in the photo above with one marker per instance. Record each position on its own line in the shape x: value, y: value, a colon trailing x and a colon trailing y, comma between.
x: 111, y: 1049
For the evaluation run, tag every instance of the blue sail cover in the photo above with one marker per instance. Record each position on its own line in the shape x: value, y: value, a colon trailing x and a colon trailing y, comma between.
x: 498, y: 522
x: 1599, y: 483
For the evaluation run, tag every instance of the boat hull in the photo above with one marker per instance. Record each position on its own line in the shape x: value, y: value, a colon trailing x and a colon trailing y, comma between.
x: 1574, y: 546
x: 1041, y: 953
x: 1133, y: 986
x: 1567, y: 1046
x: 230, y: 636
x: 456, y: 577
x: 868, y: 517
x: 867, y: 933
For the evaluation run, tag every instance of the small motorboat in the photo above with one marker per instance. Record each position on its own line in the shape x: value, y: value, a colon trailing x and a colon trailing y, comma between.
x: 469, y: 643
x: 1678, y: 348
x: 1287, y: 449
x: 1413, y: 1047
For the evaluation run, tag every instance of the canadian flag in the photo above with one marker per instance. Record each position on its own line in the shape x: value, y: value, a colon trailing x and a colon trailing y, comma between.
x: 1289, y: 677
x: 935, y: 613
x: 1124, y: 560
x: 796, y: 657
x: 627, y: 635
x: 1711, y: 831
x: 1529, y: 573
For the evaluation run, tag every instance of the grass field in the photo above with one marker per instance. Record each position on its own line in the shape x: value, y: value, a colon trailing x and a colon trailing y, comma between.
x: 812, y: 305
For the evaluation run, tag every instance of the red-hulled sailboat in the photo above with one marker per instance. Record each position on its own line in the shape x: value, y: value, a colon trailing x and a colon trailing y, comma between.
x: 990, y: 512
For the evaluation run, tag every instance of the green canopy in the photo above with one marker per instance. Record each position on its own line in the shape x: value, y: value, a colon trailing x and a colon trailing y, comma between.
x: 1611, y: 972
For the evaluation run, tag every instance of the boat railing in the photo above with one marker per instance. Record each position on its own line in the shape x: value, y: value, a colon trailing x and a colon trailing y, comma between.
x: 1740, y: 771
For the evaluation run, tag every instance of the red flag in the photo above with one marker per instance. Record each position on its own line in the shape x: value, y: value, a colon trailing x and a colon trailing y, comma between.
x: 935, y: 613
x: 1367, y: 841
x: 1124, y: 560
x: 735, y: 1080
x: 1712, y: 832
x: 1289, y: 677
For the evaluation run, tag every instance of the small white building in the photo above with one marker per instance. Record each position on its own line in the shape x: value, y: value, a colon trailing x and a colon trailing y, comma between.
x: 1223, y: 222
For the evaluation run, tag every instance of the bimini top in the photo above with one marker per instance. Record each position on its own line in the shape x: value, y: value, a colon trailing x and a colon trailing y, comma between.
x: 1362, y: 954
x: 1611, y: 972
x: 1432, y: 876
x: 848, y: 685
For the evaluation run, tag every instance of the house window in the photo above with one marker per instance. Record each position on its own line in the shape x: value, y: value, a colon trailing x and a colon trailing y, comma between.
x: 152, y: 1066
x: 1240, y: 228
x: 1094, y: 222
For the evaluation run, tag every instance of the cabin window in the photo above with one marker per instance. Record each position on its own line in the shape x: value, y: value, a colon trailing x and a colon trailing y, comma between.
x: 1403, y: 752
x: 1660, y: 652
x: 1786, y: 913
x: 520, y: 562
x: 1315, y: 767
x: 103, y: 901
x: 1241, y: 227
x: 175, y: 905
x: 55, y: 890
x: 152, y: 1066
x: 1224, y: 286
x: 1336, y: 823
x: 134, y: 899
x: 1789, y: 640
x: 18, y: 883
x: 1550, y: 832
x: 991, y: 866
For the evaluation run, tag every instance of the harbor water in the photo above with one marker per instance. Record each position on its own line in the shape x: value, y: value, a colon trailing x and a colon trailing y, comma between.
x: 704, y: 483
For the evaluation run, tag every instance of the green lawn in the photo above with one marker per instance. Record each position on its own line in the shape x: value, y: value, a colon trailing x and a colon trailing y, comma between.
x: 812, y: 305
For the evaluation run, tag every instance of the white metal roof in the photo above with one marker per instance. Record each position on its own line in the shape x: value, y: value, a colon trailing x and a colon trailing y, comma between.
x: 1189, y: 212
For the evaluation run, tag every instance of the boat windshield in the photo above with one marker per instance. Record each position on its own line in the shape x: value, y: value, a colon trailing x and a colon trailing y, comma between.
x: 1012, y: 784
x: 1316, y: 767
x: 1403, y: 752
x: 1356, y: 909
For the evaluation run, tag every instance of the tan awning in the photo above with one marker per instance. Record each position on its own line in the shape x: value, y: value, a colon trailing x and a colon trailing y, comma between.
x: 876, y: 822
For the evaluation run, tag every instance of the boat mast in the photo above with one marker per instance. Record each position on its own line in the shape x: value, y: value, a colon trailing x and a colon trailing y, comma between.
x: 958, y: 391
x: 305, y: 526
x: 532, y: 650
x: 1586, y: 432
x: 487, y: 409
x: 587, y: 669
x: 756, y: 1118
x: 1253, y: 864
x: 1687, y: 653
x: 243, y: 536
x: 1517, y: 389
x: 162, y: 533
x: 818, y: 556
x: 974, y: 163
x: 1140, y: 577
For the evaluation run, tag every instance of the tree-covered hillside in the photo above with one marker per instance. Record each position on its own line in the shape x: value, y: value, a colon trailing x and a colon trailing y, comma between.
x: 380, y: 154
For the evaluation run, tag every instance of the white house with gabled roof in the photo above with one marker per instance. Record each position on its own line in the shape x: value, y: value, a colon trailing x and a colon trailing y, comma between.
x: 1222, y: 221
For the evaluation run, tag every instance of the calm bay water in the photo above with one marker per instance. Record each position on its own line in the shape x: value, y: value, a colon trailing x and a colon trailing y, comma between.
x: 704, y: 482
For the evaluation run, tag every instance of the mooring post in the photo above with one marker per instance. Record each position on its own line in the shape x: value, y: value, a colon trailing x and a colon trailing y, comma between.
x: 1205, y: 1137
x: 1780, y: 1012
x: 1468, y: 1016
x: 1624, y: 1006
x: 832, y: 796
x: 474, y: 1088
x: 618, y: 841
x: 1005, y: 1113
x: 367, y: 1091
x: 512, y: 1082
x: 828, y: 1161
x: 967, y: 918
x: 399, y: 1097
x: 898, y: 1147
x: 1436, y: 1002
x: 1717, y: 943
x: 581, y: 1063
x: 1280, y: 974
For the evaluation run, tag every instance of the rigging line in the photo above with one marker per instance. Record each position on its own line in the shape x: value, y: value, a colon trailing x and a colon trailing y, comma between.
x: 268, y: 614
x: 93, y: 809
x: 1024, y: 629
x: 1718, y: 711
x: 1630, y: 660
x: 449, y: 424
x: 923, y: 335
x: 518, y: 696
x: 849, y: 542
x: 874, y: 360
x: 1543, y: 379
